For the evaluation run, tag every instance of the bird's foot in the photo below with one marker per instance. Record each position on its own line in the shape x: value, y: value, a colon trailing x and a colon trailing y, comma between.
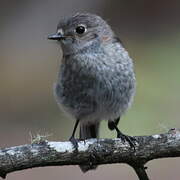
x: 131, y: 140
x: 74, y: 142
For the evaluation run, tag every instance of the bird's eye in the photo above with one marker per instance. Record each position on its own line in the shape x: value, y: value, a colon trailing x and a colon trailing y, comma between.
x: 80, y: 29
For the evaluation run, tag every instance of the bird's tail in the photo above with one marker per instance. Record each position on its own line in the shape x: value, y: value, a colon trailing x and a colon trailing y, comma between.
x: 88, y: 131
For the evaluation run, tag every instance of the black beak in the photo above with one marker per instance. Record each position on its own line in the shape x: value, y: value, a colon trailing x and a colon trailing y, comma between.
x: 56, y: 36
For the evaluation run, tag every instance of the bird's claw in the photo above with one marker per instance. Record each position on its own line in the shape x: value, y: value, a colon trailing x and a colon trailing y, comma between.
x: 74, y: 142
x: 129, y: 139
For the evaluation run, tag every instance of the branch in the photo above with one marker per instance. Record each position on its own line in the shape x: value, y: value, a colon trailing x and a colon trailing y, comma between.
x: 91, y: 151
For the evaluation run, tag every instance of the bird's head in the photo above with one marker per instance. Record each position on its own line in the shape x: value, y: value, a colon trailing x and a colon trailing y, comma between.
x: 81, y: 31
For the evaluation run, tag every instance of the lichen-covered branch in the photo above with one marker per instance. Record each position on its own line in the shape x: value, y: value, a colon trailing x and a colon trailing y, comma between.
x: 92, y: 151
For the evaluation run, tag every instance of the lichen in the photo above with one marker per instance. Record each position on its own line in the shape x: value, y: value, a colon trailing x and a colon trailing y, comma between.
x: 61, y: 147
x: 11, y: 152
x: 38, y: 139
x: 156, y: 136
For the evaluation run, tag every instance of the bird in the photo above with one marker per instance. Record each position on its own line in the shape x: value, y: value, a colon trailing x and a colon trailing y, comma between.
x: 96, y: 79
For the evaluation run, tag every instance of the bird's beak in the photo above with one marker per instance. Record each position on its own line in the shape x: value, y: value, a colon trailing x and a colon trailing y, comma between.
x: 56, y: 36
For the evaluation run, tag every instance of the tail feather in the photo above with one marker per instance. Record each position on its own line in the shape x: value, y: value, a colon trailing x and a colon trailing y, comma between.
x: 88, y: 131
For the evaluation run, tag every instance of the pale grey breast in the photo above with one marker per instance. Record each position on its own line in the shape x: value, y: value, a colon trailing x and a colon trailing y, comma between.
x: 96, y: 84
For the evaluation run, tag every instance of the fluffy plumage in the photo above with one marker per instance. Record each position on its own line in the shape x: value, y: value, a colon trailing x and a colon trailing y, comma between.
x: 96, y: 80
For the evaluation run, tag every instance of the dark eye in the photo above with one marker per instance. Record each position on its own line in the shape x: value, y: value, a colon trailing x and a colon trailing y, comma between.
x: 80, y: 29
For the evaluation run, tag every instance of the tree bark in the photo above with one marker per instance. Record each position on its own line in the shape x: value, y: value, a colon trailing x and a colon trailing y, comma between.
x: 92, y: 151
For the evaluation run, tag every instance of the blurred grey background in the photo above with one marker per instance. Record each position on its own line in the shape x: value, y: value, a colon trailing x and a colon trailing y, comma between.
x: 29, y: 62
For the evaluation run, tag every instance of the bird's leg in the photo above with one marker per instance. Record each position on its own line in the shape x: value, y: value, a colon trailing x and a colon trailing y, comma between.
x: 72, y: 138
x: 113, y: 124
x: 124, y: 137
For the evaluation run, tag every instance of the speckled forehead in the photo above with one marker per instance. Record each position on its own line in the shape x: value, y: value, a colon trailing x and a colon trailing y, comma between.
x: 88, y: 20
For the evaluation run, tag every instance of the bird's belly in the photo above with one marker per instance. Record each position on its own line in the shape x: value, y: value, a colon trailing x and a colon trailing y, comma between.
x: 76, y: 100
x: 94, y: 100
